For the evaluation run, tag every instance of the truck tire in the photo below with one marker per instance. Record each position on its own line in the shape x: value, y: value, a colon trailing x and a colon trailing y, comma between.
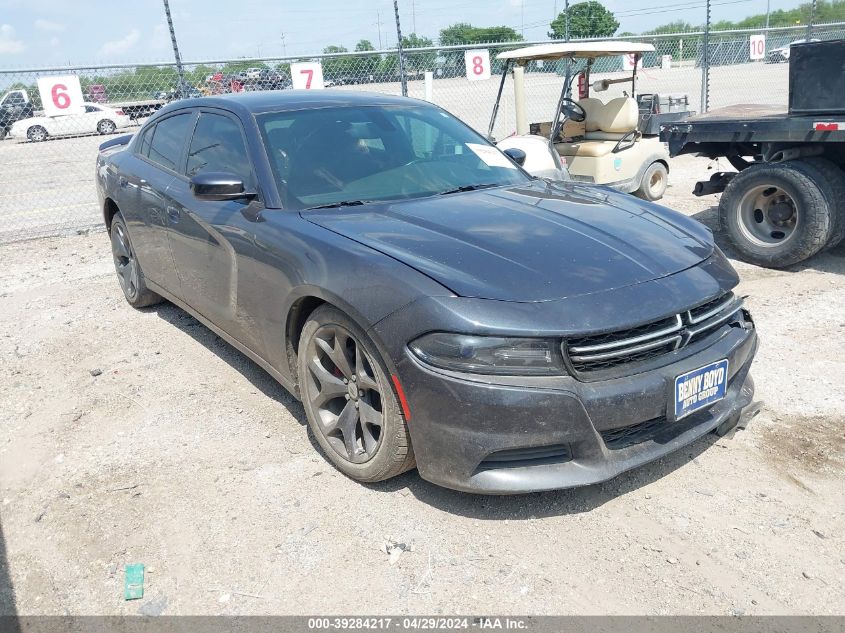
x: 836, y: 180
x: 778, y: 214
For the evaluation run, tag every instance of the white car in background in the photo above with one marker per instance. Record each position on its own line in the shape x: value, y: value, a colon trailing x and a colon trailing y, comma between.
x: 97, y: 118
x: 781, y: 55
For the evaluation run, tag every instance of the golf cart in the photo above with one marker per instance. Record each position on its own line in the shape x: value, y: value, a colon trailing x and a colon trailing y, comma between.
x: 612, y: 143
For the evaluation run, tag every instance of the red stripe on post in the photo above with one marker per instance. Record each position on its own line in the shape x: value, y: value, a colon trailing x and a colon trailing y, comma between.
x: 402, y: 400
x: 826, y: 127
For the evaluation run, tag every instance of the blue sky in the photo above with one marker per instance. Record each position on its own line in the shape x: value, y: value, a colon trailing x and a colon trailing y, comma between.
x: 50, y: 32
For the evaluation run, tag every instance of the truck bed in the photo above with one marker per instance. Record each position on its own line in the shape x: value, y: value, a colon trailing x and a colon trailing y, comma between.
x: 714, y: 132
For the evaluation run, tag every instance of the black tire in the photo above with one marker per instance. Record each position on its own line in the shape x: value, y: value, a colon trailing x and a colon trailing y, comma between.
x: 797, y: 190
x: 836, y: 186
x: 654, y: 182
x: 36, y: 134
x: 128, y: 268
x: 106, y: 126
x: 325, y: 387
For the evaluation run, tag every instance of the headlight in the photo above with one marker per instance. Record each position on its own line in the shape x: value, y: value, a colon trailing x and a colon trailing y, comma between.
x: 488, y: 354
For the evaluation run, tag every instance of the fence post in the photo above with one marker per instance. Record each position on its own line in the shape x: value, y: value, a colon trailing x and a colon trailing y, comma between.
x: 705, y: 64
x: 402, y: 78
x: 179, y: 70
x: 810, y: 21
x: 429, y: 86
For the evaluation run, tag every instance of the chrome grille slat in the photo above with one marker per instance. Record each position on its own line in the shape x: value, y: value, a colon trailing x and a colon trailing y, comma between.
x: 629, y: 341
x: 636, y: 349
x: 613, y: 349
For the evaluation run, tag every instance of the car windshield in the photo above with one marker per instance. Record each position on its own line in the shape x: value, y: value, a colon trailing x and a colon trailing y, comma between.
x: 328, y: 156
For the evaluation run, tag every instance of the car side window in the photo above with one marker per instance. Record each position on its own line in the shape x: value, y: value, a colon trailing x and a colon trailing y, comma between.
x: 168, y: 139
x: 90, y: 109
x: 218, y: 145
x: 143, y: 144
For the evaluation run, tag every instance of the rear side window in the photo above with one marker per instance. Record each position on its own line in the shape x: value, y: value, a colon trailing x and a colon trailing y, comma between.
x: 168, y: 139
x: 144, y: 141
x: 218, y: 145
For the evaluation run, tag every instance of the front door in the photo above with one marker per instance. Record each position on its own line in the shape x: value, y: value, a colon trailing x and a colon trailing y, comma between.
x: 212, y: 241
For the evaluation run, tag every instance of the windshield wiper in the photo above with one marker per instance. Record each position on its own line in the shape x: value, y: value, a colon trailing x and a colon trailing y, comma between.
x: 484, y: 185
x: 341, y: 203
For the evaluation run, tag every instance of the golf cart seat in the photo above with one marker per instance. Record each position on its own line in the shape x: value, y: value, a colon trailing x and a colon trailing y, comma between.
x: 606, y: 124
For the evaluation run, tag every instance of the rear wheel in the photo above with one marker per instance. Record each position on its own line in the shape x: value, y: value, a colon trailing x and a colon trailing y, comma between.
x: 836, y: 184
x: 654, y: 182
x: 36, y: 134
x: 106, y: 127
x: 129, y: 273
x: 778, y: 214
x: 349, y: 400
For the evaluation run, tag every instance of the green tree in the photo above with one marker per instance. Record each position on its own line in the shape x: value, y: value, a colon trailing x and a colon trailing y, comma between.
x: 586, y: 19
x: 417, y: 63
x: 364, y: 45
x: 463, y: 33
x: 337, y: 67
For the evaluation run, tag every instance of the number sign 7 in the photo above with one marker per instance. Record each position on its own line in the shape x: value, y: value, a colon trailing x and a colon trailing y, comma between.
x: 307, y: 75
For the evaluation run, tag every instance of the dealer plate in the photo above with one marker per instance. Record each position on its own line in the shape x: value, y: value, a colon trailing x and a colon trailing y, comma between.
x: 700, y: 387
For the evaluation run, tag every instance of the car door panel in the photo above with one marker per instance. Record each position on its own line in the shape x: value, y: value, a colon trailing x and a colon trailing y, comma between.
x: 211, y: 241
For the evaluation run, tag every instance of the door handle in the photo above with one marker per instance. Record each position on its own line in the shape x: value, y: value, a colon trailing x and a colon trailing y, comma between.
x: 173, y: 214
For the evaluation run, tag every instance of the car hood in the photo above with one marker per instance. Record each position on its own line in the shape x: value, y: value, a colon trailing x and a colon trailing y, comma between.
x: 537, y: 242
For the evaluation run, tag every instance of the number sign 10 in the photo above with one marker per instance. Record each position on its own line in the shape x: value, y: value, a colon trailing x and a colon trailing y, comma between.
x: 61, y: 95
x: 478, y: 64
x: 758, y: 47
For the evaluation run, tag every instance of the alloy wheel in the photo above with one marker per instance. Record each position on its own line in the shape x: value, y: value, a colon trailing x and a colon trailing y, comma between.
x: 125, y: 262
x: 344, y: 394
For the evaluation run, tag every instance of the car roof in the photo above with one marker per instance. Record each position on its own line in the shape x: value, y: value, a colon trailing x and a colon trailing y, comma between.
x: 279, y: 100
x: 577, y: 49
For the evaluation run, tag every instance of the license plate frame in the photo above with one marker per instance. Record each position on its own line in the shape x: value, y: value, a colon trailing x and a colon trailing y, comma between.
x: 711, y: 386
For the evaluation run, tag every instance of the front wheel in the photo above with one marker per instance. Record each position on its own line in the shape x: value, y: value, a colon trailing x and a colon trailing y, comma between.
x: 778, y: 214
x: 106, y: 127
x: 348, y: 399
x: 654, y: 182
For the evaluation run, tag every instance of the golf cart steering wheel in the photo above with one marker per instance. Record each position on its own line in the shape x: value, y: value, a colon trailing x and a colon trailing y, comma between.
x: 573, y: 110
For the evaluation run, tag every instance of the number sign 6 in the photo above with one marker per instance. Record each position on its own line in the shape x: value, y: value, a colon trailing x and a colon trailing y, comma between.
x: 61, y: 95
x: 477, y: 63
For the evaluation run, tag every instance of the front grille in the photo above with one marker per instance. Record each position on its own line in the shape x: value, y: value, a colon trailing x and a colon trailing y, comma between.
x: 624, y: 347
x: 521, y: 457
x: 617, y: 439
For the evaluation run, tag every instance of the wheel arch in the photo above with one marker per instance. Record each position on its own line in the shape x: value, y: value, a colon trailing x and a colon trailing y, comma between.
x: 303, y: 304
x: 110, y: 209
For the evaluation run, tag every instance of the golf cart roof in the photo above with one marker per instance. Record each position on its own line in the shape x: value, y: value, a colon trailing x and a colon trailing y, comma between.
x: 576, y: 49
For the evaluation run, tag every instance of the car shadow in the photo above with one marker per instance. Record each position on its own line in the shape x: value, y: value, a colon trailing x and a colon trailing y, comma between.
x: 527, y: 506
x: 831, y: 260
x: 485, y: 507
x: 256, y: 375
x: 8, y: 610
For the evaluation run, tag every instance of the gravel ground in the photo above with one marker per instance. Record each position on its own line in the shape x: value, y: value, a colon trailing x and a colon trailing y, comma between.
x: 139, y: 436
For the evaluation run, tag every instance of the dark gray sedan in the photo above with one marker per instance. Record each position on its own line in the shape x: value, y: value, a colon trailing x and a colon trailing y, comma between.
x: 429, y: 302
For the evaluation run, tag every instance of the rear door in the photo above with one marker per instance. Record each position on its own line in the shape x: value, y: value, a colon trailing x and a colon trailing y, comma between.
x: 212, y: 241
x: 159, y: 155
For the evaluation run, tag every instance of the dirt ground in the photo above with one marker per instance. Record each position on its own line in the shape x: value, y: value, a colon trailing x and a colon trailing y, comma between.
x: 183, y: 455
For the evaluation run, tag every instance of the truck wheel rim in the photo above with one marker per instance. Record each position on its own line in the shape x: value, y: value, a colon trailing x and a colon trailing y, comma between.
x: 767, y: 216
x: 344, y: 394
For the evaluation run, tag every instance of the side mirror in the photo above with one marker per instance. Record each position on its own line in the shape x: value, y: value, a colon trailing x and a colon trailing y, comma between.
x: 516, y: 155
x: 219, y: 185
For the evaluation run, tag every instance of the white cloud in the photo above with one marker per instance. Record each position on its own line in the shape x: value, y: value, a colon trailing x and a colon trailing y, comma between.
x: 55, y: 42
x: 50, y: 27
x: 123, y: 45
x: 9, y: 43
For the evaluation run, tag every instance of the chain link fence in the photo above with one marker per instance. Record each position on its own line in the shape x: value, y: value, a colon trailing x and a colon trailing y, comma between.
x: 47, y: 180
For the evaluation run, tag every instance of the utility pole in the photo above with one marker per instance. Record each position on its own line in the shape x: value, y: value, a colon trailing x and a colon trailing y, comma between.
x: 522, y: 18
x: 566, y: 28
x: 284, y: 46
x: 810, y: 21
x: 402, y: 77
x: 179, y: 70
x: 378, y: 24
x: 768, y: 10
x: 705, y: 65
x: 414, y: 15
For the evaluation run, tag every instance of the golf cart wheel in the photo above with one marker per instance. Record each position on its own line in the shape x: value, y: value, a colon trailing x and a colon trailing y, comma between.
x: 349, y: 400
x: 654, y: 182
x: 36, y: 134
x: 106, y: 127
x: 778, y: 214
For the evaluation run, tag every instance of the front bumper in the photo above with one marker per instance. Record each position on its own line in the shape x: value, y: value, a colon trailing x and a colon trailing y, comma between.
x: 565, y: 433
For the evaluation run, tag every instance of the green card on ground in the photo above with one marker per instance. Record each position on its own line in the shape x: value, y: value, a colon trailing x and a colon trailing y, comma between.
x: 133, y: 587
